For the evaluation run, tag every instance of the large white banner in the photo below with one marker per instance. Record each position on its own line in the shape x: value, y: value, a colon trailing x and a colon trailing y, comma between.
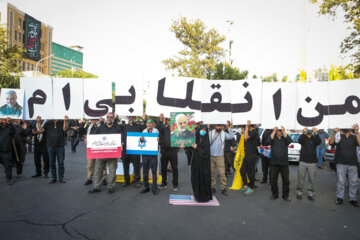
x: 129, y: 98
x: 68, y: 98
x: 172, y: 94
x: 97, y: 97
x: 246, y: 101
x: 38, y: 97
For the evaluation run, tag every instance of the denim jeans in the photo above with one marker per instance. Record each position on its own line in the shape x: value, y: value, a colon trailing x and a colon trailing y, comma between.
x: 149, y: 162
x: 320, y: 155
x: 351, y: 172
x: 75, y: 141
x: 57, y: 153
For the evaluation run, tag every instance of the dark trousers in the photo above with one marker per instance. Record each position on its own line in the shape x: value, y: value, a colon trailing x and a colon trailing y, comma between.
x: 284, y: 171
x: 57, y: 153
x: 188, y: 155
x: 166, y: 156
x: 229, y: 161
x: 20, y: 151
x: 75, y: 141
x: 5, y: 158
x: 40, y: 150
x: 265, y: 166
x: 248, y: 168
x: 135, y: 160
x: 148, y: 162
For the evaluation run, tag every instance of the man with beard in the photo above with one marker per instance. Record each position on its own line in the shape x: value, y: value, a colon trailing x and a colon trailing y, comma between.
x: 6, y: 135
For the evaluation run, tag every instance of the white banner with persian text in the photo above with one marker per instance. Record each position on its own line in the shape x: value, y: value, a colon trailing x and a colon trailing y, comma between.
x: 128, y: 98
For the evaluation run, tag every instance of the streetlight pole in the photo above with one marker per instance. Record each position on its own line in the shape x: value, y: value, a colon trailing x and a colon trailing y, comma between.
x: 36, y: 66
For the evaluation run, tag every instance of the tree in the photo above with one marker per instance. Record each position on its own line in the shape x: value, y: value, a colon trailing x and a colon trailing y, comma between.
x: 271, y: 78
x: 340, y: 73
x: 228, y: 72
x: 74, y: 74
x: 351, y: 44
x: 10, y: 62
x: 201, y: 52
x: 284, y: 79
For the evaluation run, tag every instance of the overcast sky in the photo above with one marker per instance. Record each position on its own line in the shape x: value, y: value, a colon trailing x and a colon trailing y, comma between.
x: 129, y: 39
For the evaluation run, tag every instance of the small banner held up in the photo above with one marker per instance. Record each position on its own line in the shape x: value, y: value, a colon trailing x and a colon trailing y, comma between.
x: 135, y: 145
x: 11, y: 103
x: 182, y: 128
x: 103, y: 146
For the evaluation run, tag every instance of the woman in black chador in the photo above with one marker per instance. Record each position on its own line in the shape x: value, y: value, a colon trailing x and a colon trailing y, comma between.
x: 200, y: 166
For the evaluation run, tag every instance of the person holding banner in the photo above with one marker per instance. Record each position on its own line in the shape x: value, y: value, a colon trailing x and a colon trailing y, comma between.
x: 40, y: 149
x: 19, y: 148
x: 279, y: 162
x: 346, y: 163
x: 110, y: 127
x: 217, y: 139
x: 55, y: 141
x: 7, y: 132
x: 131, y: 158
x: 150, y: 161
x: 200, y: 166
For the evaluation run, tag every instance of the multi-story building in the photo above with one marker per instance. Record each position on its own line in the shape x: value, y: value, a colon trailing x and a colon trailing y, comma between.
x: 66, y: 58
x: 26, y: 32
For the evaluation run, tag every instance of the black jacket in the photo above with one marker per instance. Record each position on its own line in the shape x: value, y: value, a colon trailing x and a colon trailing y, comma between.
x: 6, y: 135
x: 308, y: 148
x: 346, y: 151
x: 279, y: 150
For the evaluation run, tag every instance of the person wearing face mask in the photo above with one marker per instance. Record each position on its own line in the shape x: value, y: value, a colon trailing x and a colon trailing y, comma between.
x: 217, y: 139
x: 130, y: 158
x: 200, y: 166
x: 6, y: 134
x: 110, y: 127
x: 346, y: 163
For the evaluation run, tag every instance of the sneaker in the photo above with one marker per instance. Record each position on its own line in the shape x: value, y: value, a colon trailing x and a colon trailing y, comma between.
x: 354, y: 203
x: 9, y: 181
x: 273, y: 197
x: 104, y: 182
x: 248, y: 191
x: 163, y: 186
x: 155, y: 191
x: 311, y: 198
x: 94, y: 190
x: 111, y: 190
x: 176, y: 188
x: 145, y: 190
x: 36, y: 175
x: 137, y: 185
x: 242, y: 190
x: 88, y: 182
x: 287, y: 199
x: 52, y: 181
x: 224, y: 192
x: 61, y: 180
x: 339, y: 201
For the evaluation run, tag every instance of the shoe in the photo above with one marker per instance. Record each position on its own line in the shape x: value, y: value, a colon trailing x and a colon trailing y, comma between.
x: 145, y: 190
x: 36, y: 175
x: 287, y: 199
x: 137, y: 185
x: 224, y: 192
x: 354, y: 203
x: 19, y: 175
x: 155, y: 191
x: 88, y: 182
x: 339, y: 201
x: 52, y: 181
x: 299, y: 197
x: 163, y: 186
x: 94, y: 190
x: 111, y: 190
x: 263, y: 181
x: 9, y: 181
x: 61, y: 180
x: 176, y: 188
x: 213, y: 190
x: 248, y: 191
x: 273, y: 197
x: 104, y: 182
x: 46, y: 175
x: 242, y: 190
x: 311, y: 198
x: 125, y: 184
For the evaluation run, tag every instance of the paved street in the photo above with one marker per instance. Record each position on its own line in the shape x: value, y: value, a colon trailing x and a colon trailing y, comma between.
x: 34, y: 209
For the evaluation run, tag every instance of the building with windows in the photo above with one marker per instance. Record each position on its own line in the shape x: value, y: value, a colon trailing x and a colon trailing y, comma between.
x: 26, y: 32
x: 66, y: 58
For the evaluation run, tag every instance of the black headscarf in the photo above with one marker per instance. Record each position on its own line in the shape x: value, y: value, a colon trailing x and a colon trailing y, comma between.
x: 203, y: 142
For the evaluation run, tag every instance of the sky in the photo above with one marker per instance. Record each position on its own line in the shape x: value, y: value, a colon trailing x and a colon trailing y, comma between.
x: 129, y: 39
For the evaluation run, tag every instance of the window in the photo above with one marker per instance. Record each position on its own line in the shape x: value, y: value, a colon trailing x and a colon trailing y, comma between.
x: 19, y: 23
x: 39, y: 69
x: 19, y: 37
x: 23, y: 66
x: 27, y: 66
x: 31, y: 67
x: 16, y: 33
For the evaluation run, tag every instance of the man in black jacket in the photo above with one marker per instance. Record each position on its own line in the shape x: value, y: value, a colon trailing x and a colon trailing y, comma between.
x: 168, y: 153
x: 19, y: 150
x: 129, y: 158
x: 265, y: 161
x: 308, y: 161
x: 40, y: 149
x: 6, y: 135
x: 279, y: 141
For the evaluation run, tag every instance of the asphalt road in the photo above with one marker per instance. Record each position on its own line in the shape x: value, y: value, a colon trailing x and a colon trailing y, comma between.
x: 34, y: 209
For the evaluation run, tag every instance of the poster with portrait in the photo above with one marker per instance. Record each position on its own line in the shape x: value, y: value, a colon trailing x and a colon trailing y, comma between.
x: 182, y: 129
x: 11, y: 103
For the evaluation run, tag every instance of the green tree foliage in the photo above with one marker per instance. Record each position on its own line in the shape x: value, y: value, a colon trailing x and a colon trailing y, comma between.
x: 284, y: 79
x: 10, y: 62
x: 201, y: 52
x: 340, y: 73
x: 271, y: 78
x: 74, y: 74
x: 228, y: 72
x: 351, y: 10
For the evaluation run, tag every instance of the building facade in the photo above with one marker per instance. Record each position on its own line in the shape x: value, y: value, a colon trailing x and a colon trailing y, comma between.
x: 66, y: 58
x: 36, y: 42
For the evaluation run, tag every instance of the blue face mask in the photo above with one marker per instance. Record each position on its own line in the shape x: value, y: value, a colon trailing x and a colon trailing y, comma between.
x: 202, y: 132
